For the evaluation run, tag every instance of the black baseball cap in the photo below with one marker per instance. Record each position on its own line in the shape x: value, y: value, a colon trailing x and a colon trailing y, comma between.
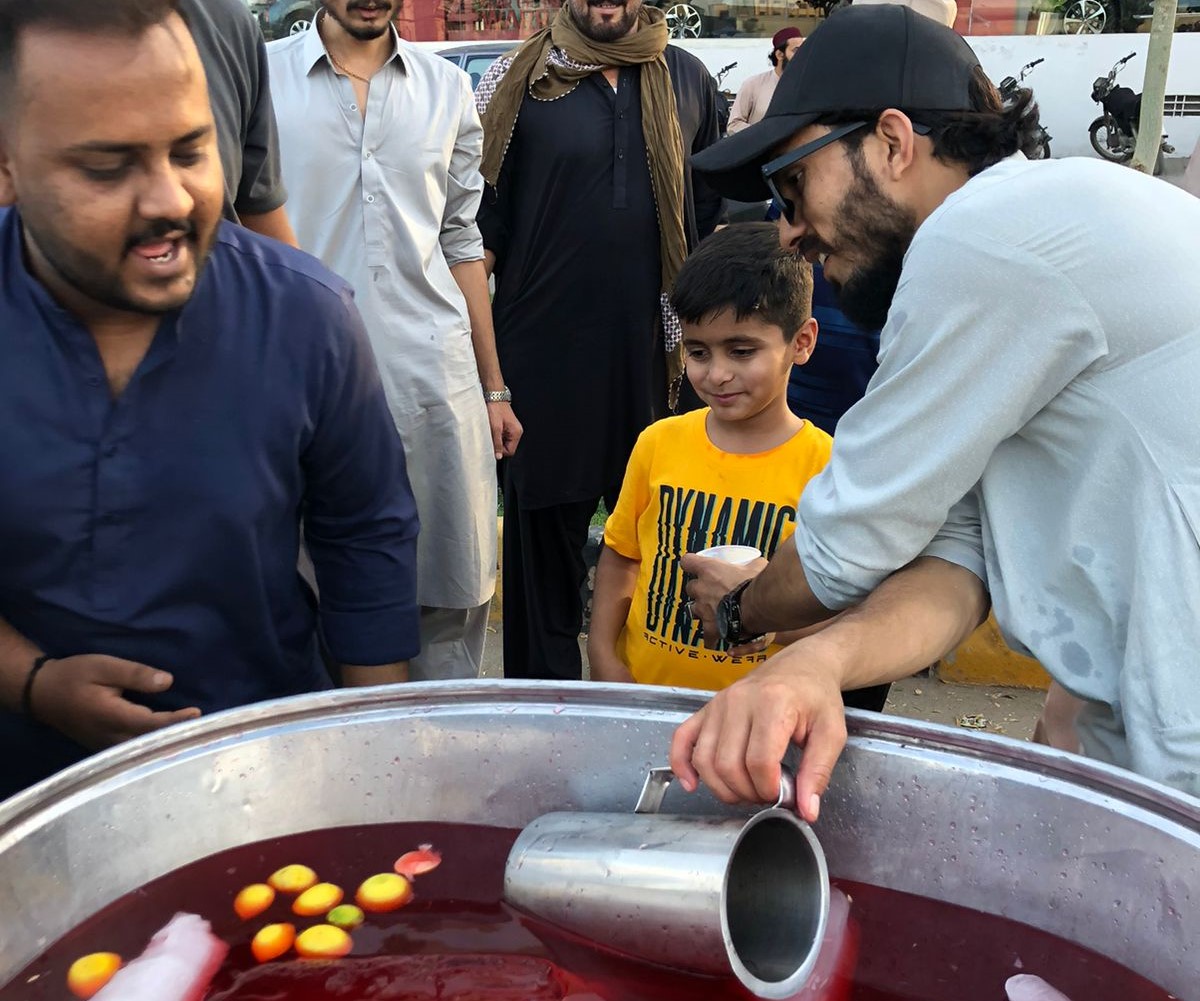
x: 864, y: 58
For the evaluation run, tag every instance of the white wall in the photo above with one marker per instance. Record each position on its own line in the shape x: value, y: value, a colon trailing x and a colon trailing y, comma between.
x: 1062, y: 84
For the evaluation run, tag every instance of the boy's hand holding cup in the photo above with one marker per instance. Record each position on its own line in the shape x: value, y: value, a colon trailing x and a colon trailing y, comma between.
x: 710, y: 575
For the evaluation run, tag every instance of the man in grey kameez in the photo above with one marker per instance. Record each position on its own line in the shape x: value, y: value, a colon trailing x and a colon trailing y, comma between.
x: 381, y: 146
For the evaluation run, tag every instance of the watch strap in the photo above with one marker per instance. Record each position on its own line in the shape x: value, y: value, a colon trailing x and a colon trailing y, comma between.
x: 735, y: 634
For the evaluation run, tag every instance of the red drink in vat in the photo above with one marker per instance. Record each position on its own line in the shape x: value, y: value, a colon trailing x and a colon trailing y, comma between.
x: 457, y: 941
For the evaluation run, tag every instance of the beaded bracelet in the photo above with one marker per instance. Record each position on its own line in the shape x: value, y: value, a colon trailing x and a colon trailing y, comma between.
x: 27, y: 694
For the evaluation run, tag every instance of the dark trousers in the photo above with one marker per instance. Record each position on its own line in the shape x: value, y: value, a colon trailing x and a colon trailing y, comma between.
x: 544, y: 572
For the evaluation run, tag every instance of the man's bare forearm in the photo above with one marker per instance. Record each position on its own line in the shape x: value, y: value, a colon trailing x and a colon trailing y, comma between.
x: 780, y: 598
x: 472, y: 280
x: 734, y: 743
x: 912, y: 619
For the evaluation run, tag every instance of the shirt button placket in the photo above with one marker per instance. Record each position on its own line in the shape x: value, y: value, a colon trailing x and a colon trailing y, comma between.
x: 371, y: 178
x: 116, y: 487
x: 107, y: 538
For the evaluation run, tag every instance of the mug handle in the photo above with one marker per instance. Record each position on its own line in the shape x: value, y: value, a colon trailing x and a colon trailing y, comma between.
x: 658, y: 779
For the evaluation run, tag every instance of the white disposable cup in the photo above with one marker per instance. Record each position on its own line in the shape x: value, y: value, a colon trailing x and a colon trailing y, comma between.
x: 737, y: 555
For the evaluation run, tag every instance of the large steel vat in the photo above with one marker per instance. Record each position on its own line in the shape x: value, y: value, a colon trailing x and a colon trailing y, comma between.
x: 1080, y: 850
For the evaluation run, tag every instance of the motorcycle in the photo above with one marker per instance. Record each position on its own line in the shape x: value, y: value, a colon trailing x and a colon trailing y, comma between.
x: 1008, y: 88
x: 1114, y: 133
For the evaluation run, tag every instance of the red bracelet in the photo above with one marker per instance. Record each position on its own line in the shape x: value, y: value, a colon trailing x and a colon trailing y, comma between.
x: 27, y: 694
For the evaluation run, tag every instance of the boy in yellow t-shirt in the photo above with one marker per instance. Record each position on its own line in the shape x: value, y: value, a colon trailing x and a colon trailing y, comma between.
x: 730, y: 474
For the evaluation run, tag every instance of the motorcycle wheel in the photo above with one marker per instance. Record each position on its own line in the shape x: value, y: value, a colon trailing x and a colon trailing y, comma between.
x: 1103, y: 131
x: 1042, y: 150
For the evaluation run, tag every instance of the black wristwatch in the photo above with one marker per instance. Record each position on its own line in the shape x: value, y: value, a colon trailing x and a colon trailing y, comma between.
x: 729, y: 617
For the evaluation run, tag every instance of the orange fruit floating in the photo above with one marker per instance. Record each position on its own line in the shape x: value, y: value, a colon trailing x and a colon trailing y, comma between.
x: 384, y: 892
x: 272, y: 942
x: 292, y: 878
x: 417, y: 863
x: 323, y: 942
x: 252, y: 900
x: 317, y: 899
x: 346, y: 916
x: 89, y: 973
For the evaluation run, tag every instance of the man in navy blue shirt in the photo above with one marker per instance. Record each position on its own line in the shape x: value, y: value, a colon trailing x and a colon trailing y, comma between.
x: 175, y: 393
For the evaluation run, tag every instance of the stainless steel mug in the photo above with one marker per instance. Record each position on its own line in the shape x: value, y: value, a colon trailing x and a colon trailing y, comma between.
x: 708, y: 895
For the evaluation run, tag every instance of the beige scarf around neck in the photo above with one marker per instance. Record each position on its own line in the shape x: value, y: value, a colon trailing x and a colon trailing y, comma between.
x: 533, y: 72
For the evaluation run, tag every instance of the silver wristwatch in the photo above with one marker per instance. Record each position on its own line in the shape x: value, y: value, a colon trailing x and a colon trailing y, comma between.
x: 498, y: 395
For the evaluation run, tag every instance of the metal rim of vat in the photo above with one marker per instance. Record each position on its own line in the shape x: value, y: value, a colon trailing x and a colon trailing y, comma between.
x: 281, y: 713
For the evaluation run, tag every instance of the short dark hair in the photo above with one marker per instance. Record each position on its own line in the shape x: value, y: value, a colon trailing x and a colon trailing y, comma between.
x: 112, y: 17
x: 980, y: 138
x: 743, y: 268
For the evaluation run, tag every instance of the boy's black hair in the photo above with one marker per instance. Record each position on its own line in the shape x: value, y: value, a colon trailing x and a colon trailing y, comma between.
x: 743, y: 268
x: 114, y: 17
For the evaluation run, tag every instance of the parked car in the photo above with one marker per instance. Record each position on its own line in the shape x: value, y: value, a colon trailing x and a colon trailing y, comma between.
x: 475, y: 58
x: 283, y: 17
x: 1091, y: 17
x: 692, y: 20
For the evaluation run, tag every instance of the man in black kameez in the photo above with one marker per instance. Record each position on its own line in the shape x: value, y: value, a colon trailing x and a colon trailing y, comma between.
x: 590, y: 210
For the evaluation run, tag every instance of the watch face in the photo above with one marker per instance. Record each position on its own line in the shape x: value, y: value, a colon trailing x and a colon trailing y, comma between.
x: 723, y: 617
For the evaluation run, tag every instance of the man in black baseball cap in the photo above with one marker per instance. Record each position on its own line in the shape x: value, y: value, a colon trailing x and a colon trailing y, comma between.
x: 860, y: 63
x: 861, y: 58
x: 1028, y: 441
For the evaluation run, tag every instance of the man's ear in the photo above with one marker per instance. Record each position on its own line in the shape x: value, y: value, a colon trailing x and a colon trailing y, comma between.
x: 806, y: 340
x: 895, y: 129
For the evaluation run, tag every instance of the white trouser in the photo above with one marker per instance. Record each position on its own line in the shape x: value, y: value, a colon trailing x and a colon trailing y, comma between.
x: 452, y: 641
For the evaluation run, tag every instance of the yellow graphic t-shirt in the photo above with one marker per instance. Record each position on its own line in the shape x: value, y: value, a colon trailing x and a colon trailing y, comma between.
x: 682, y: 494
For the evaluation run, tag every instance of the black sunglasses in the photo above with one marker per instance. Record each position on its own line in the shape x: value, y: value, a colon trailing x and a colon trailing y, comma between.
x: 772, y: 168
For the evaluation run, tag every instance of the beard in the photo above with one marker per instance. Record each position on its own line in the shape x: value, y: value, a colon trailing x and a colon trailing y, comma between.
x: 610, y: 31
x: 365, y: 32
x: 881, y: 231
x: 90, y: 276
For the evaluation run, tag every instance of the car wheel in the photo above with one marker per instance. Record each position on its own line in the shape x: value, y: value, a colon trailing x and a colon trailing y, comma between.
x: 1085, y: 17
x: 296, y: 24
x: 684, y: 21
